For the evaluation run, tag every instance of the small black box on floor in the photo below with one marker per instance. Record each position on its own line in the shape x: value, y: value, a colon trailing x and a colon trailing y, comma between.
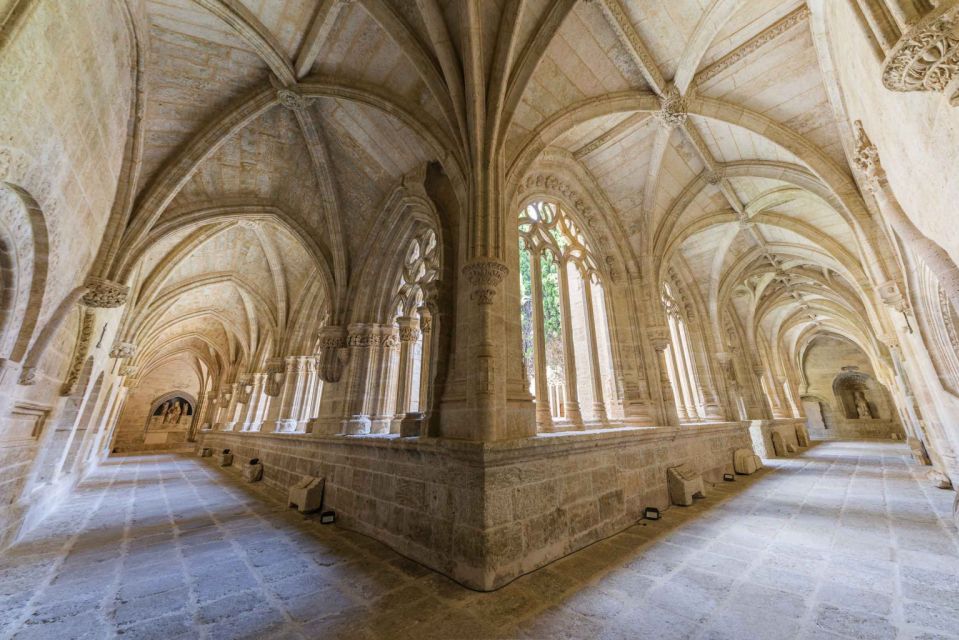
x: 328, y: 517
x: 651, y: 513
x: 728, y: 477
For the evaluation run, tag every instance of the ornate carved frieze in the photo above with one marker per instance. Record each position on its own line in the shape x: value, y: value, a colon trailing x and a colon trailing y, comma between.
x: 672, y: 112
x: 104, y: 294
x: 79, y: 354
x: 485, y: 276
x: 926, y: 58
x: 123, y: 350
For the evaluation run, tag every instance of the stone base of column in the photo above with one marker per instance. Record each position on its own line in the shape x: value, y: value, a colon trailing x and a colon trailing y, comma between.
x: 228, y: 426
x: 380, y: 424
x: 358, y: 425
x: 411, y: 425
x: 573, y: 414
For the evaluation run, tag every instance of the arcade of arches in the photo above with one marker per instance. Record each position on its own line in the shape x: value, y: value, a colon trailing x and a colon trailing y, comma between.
x: 490, y: 269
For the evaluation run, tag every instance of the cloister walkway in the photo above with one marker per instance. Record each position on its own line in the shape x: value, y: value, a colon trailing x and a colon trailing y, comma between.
x: 847, y: 540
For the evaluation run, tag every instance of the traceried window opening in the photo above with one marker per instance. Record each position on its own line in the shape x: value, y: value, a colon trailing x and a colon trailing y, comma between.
x: 563, y: 319
x: 420, y: 270
x: 680, y: 362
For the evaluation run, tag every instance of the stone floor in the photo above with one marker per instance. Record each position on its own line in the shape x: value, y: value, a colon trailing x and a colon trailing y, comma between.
x: 845, y: 541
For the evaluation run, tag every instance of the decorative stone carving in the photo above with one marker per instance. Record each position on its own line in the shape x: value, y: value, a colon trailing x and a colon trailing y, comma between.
x: 225, y: 458
x: 866, y: 159
x: 745, y: 462
x: 307, y: 494
x: 715, y: 177
x: 409, y: 334
x: 684, y: 485
x: 291, y: 100
x: 485, y: 276
x: 205, y: 452
x: 79, y: 354
x: 104, y: 294
x: 926, y: 58
x: 333, y: 354
x: 123, y: 350
x: 673, y: 110
x: 127, y: 370
x: 253, y: 470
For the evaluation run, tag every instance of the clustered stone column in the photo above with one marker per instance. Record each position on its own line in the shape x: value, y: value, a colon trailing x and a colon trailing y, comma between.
x: 409, y: 334
x: 875, y: 182
x: 659, y: 339
x: 571, y: 406
x: 297, y: 396
x: 599, y: 406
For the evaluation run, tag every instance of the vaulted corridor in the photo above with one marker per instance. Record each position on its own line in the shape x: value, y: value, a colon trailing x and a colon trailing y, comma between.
x: 846, y: 540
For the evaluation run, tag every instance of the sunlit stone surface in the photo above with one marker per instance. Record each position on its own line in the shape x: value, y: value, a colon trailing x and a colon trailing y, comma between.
x: 845, y: 541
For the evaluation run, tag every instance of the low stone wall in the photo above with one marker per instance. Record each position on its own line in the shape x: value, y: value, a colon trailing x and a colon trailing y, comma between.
x: 485, y: 514
x: 761, y: 432
x: 858, y: 429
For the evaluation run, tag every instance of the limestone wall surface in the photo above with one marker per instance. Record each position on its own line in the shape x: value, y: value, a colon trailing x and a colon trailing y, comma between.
x: 486, y: 514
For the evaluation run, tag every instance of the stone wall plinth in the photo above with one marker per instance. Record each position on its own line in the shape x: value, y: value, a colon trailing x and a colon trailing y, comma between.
x: 761, y: 432
x: 485, y: 514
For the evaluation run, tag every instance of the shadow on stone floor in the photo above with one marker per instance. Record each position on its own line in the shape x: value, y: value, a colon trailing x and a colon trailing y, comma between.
x: 187, y: 550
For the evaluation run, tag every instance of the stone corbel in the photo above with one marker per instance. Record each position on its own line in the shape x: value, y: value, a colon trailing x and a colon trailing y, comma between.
x: 104, y: 294
x: 484, y: 276
x: 333, y: 354
x: 275, y: 375
x: 123, y: 350
x: 926, y: 58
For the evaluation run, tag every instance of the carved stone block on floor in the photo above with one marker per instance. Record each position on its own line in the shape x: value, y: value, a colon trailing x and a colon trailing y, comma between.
x: 253, y: 470
x: 746, y: 463
x: 225, y: 458
x: 684, y: 485
x: 307, y: 494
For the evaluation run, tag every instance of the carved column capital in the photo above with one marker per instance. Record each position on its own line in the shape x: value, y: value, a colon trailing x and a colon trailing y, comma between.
x: 104, y: 294
x: 484, y: 276
x: 332, y: 354
x: 409, y: 329
x: 658, y: 337
x: 926, y: 58
x: 127, y: 370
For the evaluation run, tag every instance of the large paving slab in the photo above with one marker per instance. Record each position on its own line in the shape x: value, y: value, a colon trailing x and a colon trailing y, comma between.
x: 847, y: 540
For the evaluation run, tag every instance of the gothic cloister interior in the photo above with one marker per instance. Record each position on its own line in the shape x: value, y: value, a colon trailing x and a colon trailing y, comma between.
x: 580, y: 318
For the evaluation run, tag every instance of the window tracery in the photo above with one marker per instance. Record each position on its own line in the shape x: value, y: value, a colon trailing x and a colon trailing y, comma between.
x: 563, y: 319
